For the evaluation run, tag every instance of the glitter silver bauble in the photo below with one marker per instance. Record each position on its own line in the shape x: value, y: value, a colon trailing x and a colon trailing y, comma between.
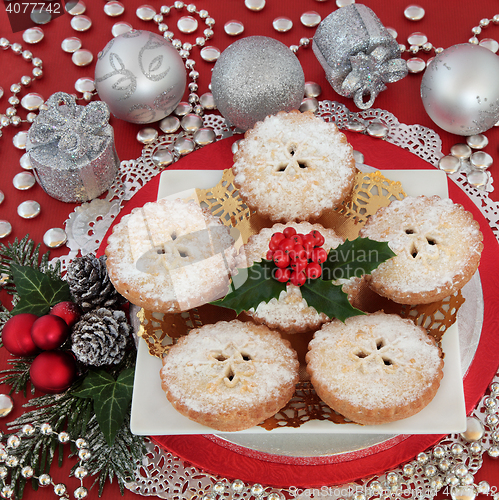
x: 255, y: 77
x: 459, y: 89
x: 140, y: 76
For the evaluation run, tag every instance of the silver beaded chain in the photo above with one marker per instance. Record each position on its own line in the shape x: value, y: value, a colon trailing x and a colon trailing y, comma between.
x: 10, y: 117
x: 9, y: 460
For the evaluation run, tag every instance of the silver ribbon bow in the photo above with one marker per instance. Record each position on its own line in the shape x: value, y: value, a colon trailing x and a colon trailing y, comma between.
x: 369, y: 74
x: 77, y: 131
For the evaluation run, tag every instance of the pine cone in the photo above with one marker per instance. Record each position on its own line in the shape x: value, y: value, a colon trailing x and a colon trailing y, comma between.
x: 90, y: 285
x: 100, y: 337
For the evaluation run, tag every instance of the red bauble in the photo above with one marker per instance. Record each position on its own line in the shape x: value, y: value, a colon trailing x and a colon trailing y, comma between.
x: 68, y: 311
x: 49, y: 332
x: 16, y: 335
x: 53, y: 372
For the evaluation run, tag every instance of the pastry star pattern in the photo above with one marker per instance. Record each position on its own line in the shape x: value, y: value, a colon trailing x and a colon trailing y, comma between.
x: 231, y: 365
x: 370, y: 354
x: 295, y: 157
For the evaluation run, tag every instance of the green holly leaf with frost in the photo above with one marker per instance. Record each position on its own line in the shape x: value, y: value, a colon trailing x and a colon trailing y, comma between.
x: 329, y: 299
x: 38, y: 292
x: 111, y: 398
x: 354, y: 258
x: 251, y: 286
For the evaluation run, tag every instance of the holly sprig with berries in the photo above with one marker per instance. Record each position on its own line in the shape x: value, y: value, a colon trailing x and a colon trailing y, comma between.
x: 70, y: 339
x: 301, y: 260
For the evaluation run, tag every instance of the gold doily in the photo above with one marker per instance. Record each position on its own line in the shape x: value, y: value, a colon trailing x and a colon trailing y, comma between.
x: 371, y: 191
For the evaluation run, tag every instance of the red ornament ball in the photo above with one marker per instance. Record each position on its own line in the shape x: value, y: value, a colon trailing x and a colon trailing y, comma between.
x: 49, y: 332
x: 53, y: 372
x: 68, y: 311
x: 16, y: 335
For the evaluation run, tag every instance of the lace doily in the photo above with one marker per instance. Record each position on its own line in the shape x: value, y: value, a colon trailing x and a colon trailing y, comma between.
x: 450, y: 464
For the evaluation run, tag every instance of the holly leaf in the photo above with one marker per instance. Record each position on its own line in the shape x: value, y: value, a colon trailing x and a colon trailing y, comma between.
x: 111, y: 399
x: 38, y: 292
x: 251, y: 286
x: 355, y: 258
x: 328, y: 298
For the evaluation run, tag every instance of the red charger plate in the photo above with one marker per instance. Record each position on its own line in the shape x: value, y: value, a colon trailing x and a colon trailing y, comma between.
x: 220, y: 457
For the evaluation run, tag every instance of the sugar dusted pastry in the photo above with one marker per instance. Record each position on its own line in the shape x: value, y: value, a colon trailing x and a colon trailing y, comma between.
x: 230, y: 376
x: 290, y: 313
x: 170, y: 256
x: 438, y: 246
x: 293, y: 166
x: 376, y: 368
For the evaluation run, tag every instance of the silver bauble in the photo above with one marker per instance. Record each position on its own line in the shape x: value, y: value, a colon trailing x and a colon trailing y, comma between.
x: 140, y: 76
x: 255, y: 77
x: 459, y: 89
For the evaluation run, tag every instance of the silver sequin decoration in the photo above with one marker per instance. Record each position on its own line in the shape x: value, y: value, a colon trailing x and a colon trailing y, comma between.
x: 5, y: 228
x: 474, y: 430
x: 207, y: 101
x: 114, y: 9
x: 417, y: 38
x: 121, y: 28
x: 145, y: 12
x: 40, y: 16
x: 204, y: 136
x: 414, y: 13
x: 183, y: 146
x: 187, y: 24
x: 19, y: 140
x: 309, y: 104
x: 75, y: 7
x: 2, y: 197
x: 233, y: 28
x: 32, y: 101
x: 449, y: 164
x: 85, y: 84
x: 461, y: 151
x: 377, y: 129
x: 254, y: 5
x: 6, y: 405
x: 71, y: 44
x: 55, y: 237
x: 147, y: 135
x: 25, y: 161
x: 490, y: 43
x: 478, y: 141
x: 481, y: 160
x: 24, y: 181
x: 169, y: 125
x: 81, y: 23
x: 82, y: 57
x: 210, y: 54
x: 191, y: 123
x: 310, y: 18
x: 162, y: 157
x: 28, y: 209
x: 416, y: 65
x: 33, y: 35
x: 282, y: 24
x: 478, y: 179
x: 312, y: 89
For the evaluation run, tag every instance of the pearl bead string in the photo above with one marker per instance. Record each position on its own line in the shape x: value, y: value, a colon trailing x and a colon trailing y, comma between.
x: 10, y: 117
x: 8, y: 460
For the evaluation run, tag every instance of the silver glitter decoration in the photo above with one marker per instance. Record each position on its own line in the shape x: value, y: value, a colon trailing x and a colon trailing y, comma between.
x: 141, y: 77
x: 255, y: 77
x: 72, y: 149
x: 358, y: 54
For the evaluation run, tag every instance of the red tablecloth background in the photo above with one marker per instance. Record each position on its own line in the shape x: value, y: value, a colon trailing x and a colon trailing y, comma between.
x: 446, y: 23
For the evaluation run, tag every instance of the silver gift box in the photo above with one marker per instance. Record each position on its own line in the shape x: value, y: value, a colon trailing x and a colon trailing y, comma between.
x: 72, y: 149
x: 358, y: 54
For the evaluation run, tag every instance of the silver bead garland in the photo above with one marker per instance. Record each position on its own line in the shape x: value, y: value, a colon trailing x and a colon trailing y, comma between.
x: 11, y: 461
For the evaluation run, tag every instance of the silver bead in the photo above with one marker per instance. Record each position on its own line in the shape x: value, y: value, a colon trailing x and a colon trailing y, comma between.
x: 27, y: 55
x: 63, y: 437
x: 444, y: 465
x: 304, y: 42
x: 257, y: 490
x: 237, y: 486
x: 467, y: 479
x: 10, y: 112
x: 473, y: 40
x: 191, y: 8
x: 26, y: 81
x: 37, y: 62
x: 208, y: 33
x: 210, y: 22
x: 12, y: 461
x: 4, y: 43
x: 13, y: 441
x: 484, y: 22
x: 492, y: 419
x: 81, y: 472
x: 438, y: 452
x: 28, y: 430
x: 376, y: 487
x: 451, y: 480
x: 7, y: 491
x: 422, y: 458
x: 392, y: 478
x: 27, y: 471
x: 44, y: 480
x: 80, y: 493
x: 46, y: 429
x: 476, y: 30
x: 81, y: 443
x: 219, y: 488
x: 483, y: 487
x: 294, y: 48
x: 179, y: 4
x: 476, y: 448
x: 408, y: 470
x: 84, y: 454
x: 3, y: 472
x: 495, y: 19
x: 457, y: 449
x: 37, y: 73
x: 17, y: 48
x: 60, y: 489
x: 203, y: 14
x: 158, y: 18
x: 493, y: 451
x: 16, y: 121
x: 165, y: 10
x: 460, y: 470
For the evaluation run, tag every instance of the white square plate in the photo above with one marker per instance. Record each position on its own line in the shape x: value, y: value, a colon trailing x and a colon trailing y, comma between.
x: 152, y: 414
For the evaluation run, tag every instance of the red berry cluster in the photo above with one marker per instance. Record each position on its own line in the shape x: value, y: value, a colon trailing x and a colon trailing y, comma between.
x: 298, y: 257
